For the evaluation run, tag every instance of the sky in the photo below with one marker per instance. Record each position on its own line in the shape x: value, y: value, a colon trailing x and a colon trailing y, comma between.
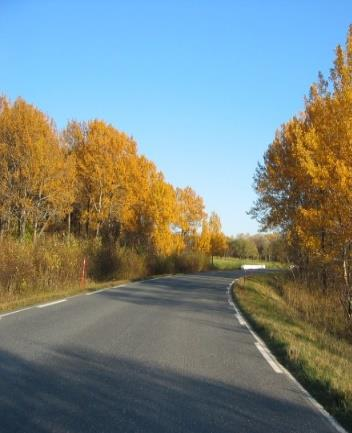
x: 201, y: 85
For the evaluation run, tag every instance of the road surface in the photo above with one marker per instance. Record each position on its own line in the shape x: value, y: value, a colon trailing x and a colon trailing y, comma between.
x: 164, y: 355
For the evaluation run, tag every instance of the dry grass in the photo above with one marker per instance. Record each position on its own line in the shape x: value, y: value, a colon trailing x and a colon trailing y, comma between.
x: 14, y: 302
x: 309, y: 335
x: 51, y: 268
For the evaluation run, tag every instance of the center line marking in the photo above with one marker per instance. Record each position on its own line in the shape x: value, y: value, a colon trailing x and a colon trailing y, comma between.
x: 51, y: 303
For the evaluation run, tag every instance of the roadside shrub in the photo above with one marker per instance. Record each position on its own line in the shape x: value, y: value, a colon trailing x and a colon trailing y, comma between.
x: 52, y: 262
x: 191, y: 262
x: 17, y: 268
x: 162, y: 265
x: 56, y: 262
x: 104, y: 263
x: 130, y: 265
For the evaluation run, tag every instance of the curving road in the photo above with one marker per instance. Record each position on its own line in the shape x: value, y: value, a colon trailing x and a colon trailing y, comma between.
x: 164, y: 355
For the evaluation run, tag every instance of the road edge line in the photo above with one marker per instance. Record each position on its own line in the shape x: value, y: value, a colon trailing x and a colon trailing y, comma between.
x: 49, y: 304
x: 287, y: 373
x: 259, y: 343
x: 10, y: 313
x: 92, y: 292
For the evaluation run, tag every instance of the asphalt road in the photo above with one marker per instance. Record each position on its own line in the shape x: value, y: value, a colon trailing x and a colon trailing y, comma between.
x: 164, y: 355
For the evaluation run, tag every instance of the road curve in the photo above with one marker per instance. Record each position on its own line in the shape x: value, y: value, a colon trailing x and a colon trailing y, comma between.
x: 163, y: 355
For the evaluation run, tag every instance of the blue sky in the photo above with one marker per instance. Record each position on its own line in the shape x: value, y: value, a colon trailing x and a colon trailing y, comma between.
x: 201, y: 85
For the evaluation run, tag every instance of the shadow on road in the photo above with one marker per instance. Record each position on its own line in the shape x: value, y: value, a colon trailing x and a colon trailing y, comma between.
x: 84, y: 391
x: 202, y: 292
x: 87, y: 387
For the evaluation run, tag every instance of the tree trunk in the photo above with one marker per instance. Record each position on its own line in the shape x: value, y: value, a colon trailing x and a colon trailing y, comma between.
x: 347, y: 295
x: 69, y: 225
x: 22, y: 225
x: 324, y: 271
x: 87, y: 222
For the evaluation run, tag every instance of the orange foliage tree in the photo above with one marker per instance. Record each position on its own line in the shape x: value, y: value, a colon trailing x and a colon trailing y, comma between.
x: 305, y: 183
x: 37, y: 175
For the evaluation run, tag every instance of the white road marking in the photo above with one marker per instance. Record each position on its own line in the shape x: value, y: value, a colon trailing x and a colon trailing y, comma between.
x: 158, y: 278
x: 56, y: 302
x: 267, y: 357
x: 241, y: 320
x: 316, y: 404
x: 261, y: 346
x: 51, y: 303
x: 73, y: 296
x: 104, y: 290
x: 97, y: 291
x: 238, y: 315
x: 14, y: 312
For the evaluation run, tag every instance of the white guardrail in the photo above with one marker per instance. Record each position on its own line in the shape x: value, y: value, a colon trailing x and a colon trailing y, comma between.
x: 247, y: 267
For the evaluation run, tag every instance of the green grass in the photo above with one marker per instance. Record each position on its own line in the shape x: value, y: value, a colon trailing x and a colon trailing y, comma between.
x: 312, y: 350
x: 229, y: 263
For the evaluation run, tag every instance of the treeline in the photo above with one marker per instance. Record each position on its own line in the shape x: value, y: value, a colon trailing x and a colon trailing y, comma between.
x: 88, y: 183
x: 304, y: 185
x: 267, y: 247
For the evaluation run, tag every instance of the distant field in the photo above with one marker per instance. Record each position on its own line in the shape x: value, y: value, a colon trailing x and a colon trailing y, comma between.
x: 228, y: 263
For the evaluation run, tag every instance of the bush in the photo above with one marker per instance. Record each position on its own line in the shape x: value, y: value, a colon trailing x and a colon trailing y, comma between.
x: 186, y: 262
x: 17, y: 269
x: 25, y: 266
x: 130, y: 265
x: 112, y: 262
x: 191, y: 262
x: 104, y: 263
x: 162, y: 265
x: 54, y: 263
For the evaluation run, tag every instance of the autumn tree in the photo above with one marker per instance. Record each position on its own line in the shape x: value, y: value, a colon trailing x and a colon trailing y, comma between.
x: 153, y: 211
x: 90, y: 177
x: 305, y: 183
x: 190, y: 214
x: 203, y: 240
x: 115, y: 183
x: 103, y: 157
x: 218, y: 243
x: 37, y: 176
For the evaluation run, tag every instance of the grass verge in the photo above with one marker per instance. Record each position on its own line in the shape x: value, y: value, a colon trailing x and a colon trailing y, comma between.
x: 51, y: 268
x: 319, y: 359
x: 230, y: 263
x: 14, y: 302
